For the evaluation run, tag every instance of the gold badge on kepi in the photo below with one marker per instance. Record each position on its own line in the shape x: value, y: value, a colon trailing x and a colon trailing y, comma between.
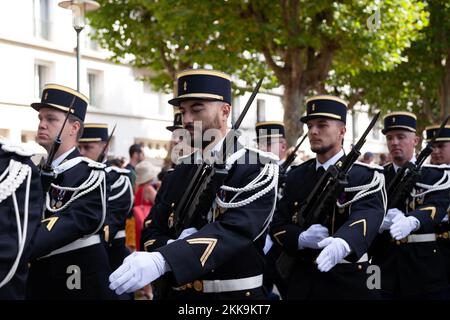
x: 185, y: 86
x: 313, y: 108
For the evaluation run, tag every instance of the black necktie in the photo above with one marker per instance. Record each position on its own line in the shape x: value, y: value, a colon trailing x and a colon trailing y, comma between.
x: 320, y: 171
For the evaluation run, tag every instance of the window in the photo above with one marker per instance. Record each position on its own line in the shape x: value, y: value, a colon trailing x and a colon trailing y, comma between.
x: 4, y: 133
x: 41, y: 19
x: 260, y: 110
x: 94, y: 80
x: 41, y: 77
x: 27, y: 136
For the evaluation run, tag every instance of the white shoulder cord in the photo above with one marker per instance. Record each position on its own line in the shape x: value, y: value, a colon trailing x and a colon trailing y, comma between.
x: 18, y: 172
x: 440, y: 185
x: 363, y: 191
x: 272, y: 176
x: 119, y: 182
x: 95, y: 178
x: 125, y: 181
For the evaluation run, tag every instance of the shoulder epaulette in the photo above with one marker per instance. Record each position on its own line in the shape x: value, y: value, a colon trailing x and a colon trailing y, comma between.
x: 116, y: 169
x: 66, y: 165
x: 185, y: 157
x: 19, y: 149
x: 263, y: 154
x: 372, y: 166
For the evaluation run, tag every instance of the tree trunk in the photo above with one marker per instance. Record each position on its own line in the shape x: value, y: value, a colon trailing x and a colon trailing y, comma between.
x: 294, y: 107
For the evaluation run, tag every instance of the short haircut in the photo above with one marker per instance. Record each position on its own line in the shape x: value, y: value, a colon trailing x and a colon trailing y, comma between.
x: 135, y: 148
x: 72, y: 118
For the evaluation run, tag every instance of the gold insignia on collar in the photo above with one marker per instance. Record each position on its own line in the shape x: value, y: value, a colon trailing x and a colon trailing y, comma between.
x: 185, y: 86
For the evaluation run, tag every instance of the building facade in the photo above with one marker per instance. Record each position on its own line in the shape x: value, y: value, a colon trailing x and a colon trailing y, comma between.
x: 37, y: 46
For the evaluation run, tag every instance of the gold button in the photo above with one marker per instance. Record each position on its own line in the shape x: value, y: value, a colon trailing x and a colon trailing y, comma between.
x: 359, y: 267
x: 295, y: 203
x: 29, y: 265
x: 247, y: 294
x: 173, y: 204
x: 434, y: 251
x: 198, y: 285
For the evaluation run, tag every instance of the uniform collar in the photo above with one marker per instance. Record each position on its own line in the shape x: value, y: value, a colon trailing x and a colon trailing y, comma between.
x: 330, y: 161
x: 60, y: 159
x: 396, y: 167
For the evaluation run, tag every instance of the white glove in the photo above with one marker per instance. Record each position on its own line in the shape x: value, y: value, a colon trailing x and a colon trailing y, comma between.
x: 268, y: 244
x: 312, y: 236
x: 138, y: 269
x: 402, y: 226
x: 387, y: 221
x: 184, y: 234
x: 335, y: 249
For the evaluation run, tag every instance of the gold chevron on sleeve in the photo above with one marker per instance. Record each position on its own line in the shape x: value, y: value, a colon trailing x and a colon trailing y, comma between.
x: 432, y: 209
x: 276, y: 235
x: 210, y: 242
x: 148, y: 243
x: 51, y: 222
x: 364, y: 222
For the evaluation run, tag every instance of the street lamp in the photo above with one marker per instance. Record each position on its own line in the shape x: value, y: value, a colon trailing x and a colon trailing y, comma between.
x: 79, y: 9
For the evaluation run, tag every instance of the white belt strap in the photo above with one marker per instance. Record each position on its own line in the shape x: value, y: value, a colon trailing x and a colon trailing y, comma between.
x: 364, y: 258
x: 217, y: 286
x: 77, y: 244
x: 210, y: 286
x: 120, y: 234
x: 414, y: 238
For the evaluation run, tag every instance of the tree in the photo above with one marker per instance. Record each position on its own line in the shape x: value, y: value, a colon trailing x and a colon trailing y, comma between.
x: 295, y: 42
x: 421, y: 83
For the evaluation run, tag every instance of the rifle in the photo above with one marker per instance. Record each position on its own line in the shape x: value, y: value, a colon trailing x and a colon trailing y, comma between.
x: 199, y: 195
x: 405, y: 179
x: 285, y: 165
x: 323, y: 197
x: 47, y: 174
x: 102, y: 155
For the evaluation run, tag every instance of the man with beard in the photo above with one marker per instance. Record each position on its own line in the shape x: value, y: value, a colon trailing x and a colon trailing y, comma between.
x: 220, y: 255
x: 329, y: 258
x: 406, y: 251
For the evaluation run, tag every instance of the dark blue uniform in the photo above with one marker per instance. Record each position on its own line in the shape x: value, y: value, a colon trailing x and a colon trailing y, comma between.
x: 120, y: 202
x: 357, y: 224
x: 9, y: 233
x: 228, y: 245
x: 67, y: 241
x: 414, y: 268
